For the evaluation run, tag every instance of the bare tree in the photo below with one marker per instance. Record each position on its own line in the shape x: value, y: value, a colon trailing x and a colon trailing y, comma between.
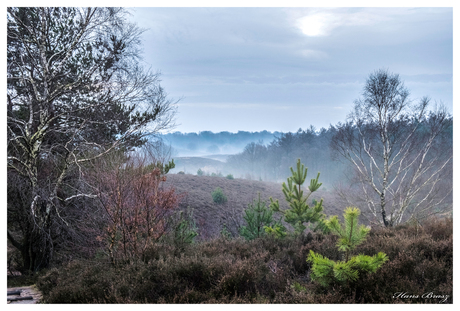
x: 132, y: 193
x: 397, y: 150
x: 75, y: 92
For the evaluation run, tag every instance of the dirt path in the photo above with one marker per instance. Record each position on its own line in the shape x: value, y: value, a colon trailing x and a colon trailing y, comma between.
x: 25, y: 291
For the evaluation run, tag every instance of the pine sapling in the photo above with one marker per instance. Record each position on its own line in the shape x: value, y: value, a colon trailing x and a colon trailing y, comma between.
x: 326, y: 271
x: 257, y: 216
x: 300, y: 213
x: 185, y: 229
x: 218, y: 196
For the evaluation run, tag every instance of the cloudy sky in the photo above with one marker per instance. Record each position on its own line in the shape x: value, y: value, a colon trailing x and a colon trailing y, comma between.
x: 281, y: 69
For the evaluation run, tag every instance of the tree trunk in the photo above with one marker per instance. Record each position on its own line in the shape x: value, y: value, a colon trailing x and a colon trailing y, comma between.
x: 384, y: 215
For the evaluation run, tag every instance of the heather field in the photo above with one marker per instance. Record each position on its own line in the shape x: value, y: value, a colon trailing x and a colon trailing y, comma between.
x: 267, y: 270
x: 218, y: 268
x: 210, y: 217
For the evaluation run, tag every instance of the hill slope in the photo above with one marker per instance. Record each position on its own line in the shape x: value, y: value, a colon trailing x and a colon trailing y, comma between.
x: 192, y: 164
x: 210, y: 217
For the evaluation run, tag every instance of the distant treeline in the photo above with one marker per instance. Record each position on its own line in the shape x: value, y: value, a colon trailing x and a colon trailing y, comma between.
x: 272, y: 161
x: 207, y: 142
x: 315, y: 149
x: 269, y: 155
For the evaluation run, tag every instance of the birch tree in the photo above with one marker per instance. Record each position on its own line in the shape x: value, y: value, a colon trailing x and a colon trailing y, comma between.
x: 397, y: 149
x: 76, y: 91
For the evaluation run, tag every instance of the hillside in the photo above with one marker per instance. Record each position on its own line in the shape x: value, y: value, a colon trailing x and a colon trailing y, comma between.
x: 190, y: 165
x: 210, y: 217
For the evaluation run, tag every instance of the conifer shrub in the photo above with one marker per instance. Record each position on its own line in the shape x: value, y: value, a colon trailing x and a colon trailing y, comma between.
x: 300, y: 213
x: 257, y: 216
x: 184, y: 229
x: 229, y: 176
x: 224, y: 233
x: 326, y: 271
x: 200, y: 172
x: 218, y: 196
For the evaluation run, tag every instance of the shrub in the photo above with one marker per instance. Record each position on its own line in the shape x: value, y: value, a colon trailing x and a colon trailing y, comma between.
x: 218, y: 196
x: 326, y: 271
x: 184, y: 229
x: 257, y: 216
x: 137, y: 204
x: 229, y: 176
x: 299, y: 212
x: 224, y: 233
x: 200, y: 172
x: 263, y: 271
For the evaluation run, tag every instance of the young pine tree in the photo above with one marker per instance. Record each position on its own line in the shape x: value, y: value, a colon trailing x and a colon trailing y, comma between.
x: 218, y: 196
x: 185, y: 229
x: 257, y: 216
x: 326, y: 271
x: 300, y: 212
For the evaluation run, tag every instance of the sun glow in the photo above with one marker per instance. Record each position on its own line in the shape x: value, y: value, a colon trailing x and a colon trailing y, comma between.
x: 315, y: 25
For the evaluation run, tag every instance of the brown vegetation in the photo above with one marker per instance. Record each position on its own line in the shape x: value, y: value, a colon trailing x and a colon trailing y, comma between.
x: 135, y: 203
x: 210, y: 217
x: 265, y: 271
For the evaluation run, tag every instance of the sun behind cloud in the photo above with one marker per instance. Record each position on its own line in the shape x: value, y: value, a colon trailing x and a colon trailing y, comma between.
x: 316, y: 25
x: 322, y: 23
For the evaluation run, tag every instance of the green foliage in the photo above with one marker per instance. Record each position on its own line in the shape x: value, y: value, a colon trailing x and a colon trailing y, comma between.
x: 326, y: 271
x: 218, y: 196
x: 257, y: 216
x: 278, y: 230
x: 163, y: 167
x: 300, y: 212
x: 229, y: 176
x: 349, y: 235
x: 298, y: 287
x: 185, y: 229
x: 225, y: 233
x: 200, y: 172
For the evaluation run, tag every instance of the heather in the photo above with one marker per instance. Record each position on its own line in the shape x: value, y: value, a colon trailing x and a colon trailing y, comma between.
x: 264, y: 270
x: 95, y: 213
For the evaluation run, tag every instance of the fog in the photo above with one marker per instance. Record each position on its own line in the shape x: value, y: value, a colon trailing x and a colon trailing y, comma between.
x: 268, y: 157
x: 214, y: 145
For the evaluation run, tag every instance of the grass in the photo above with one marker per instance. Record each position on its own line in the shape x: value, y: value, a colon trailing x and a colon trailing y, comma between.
x: 264, y: 271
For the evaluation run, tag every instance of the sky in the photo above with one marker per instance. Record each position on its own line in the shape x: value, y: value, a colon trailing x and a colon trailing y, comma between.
x: 281, y: 69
